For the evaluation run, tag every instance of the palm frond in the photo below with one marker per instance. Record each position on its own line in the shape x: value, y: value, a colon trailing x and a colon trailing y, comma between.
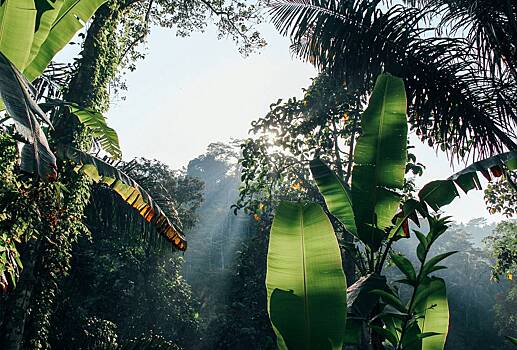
x: 449, y: 103
x: 490, y: 27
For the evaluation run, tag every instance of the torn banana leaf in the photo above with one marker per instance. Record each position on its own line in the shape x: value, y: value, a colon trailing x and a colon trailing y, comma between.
x: 17, y: 94
x: 442, y: 192
x: 128, y: 189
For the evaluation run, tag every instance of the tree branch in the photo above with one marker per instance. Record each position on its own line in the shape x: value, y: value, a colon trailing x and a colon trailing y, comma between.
x: 224, y: 14
x: 144, y: 33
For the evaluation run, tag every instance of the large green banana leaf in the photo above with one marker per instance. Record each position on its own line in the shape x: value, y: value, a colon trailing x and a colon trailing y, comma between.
x: 72, y: 16
x: 442, y: 192
x: 48, y: 11
x: 335, y: 193
x: 380, y: 160
x: 435, y: 311
x: 17, y: 19
x: 128, y: 189
x: 305, y: 280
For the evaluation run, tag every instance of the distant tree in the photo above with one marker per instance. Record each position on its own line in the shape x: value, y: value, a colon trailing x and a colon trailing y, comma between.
x: 501, y: 195
x: 502, y: 245
x: 243, y: 322
x: 215, y: 240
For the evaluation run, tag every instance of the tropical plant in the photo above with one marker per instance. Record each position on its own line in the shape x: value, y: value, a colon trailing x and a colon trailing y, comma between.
x: 501, y: 196
x: 372, y: 211
x: 305, y: 279
x: 32, y: 33
x: 460, y: 75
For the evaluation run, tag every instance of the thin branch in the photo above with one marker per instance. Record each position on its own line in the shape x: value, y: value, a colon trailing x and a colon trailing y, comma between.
x: 227, y: 15
x: 144, y: 33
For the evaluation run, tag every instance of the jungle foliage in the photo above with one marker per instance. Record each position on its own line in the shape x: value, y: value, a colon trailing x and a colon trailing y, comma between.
x: 457, y: 59
x: 369, y: 210
x: 56, y: 110
x: 88, y: 241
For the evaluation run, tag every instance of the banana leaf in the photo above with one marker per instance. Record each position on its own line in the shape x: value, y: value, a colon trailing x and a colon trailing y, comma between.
x: 47, y: 12
x: 434, y: 310
x: 126, y: 188
x: 335, y: 193
x: 17, y: 19
x: 16, y: 93
x: 380, y: 160
x: 70, y: 19
x: 96, y: 123
x: 305, y: 280
x: 442, y: 192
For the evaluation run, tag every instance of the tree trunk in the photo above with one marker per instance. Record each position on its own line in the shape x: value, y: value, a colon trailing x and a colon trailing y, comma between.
x: 38, y: 289
x: 17, y: 303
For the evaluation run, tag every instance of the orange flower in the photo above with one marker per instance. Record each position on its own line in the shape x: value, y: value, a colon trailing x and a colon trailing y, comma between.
x: 256, y: 217
x: 345, y: 117
x: 295, y: 186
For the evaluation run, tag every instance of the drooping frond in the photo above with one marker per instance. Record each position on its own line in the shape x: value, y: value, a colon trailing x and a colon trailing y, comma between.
x: 450, y: 104
x: 17, y: 94
x: 128, y: 189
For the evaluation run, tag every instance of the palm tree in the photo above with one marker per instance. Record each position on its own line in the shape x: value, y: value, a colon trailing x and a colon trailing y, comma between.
x: 457, y: 59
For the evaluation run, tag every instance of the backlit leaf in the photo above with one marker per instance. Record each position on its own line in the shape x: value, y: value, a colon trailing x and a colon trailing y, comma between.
x: 305, y: 280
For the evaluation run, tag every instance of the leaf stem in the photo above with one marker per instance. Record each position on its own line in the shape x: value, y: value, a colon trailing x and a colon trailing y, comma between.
x: 382, y: 260
x: 412, y: 301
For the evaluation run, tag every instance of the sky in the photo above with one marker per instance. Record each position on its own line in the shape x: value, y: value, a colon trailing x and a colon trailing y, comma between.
x: 190, y: 92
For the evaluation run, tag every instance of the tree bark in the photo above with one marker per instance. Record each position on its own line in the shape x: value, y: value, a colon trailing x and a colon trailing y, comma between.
x: 17, y: 303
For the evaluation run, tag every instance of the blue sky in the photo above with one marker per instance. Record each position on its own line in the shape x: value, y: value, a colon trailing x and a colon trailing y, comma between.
x: 189, y: 92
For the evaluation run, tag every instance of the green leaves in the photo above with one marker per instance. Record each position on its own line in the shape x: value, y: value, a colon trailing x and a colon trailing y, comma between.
x: 380, y: 160
x: 434, y: 309
x: 17, y: 18
x: 390, y: 299
x: 71, y: 17
x: 335, y: 193
x: 95, y: 121
x: 126, y: 188
x: 305, y: 280
x: 442, y: 192
x: 435, y: 260
x: 96, y: 124
x: 405, y: 266
x: 32, y: 32
x: 47, y: 12
x: 438, y: 193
